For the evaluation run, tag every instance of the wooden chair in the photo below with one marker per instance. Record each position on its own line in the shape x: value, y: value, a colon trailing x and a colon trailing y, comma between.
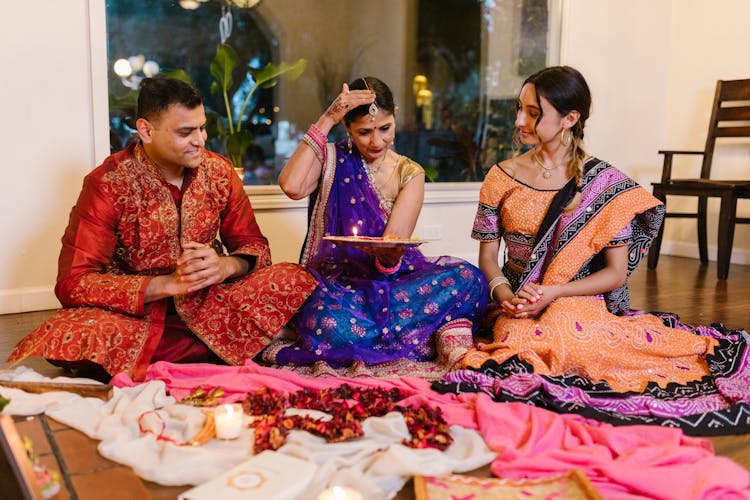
x: 726, y: 121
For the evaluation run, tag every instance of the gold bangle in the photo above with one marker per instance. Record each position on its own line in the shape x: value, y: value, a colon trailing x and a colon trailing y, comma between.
x: 496, y: 282
x: 310, y: 141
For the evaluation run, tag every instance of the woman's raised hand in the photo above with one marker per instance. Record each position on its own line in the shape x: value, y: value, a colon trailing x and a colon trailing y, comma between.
x: 346, y: 100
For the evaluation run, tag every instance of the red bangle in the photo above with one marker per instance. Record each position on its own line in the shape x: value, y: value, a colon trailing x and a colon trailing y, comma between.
x: 387, y: 270
x: 317, y: 135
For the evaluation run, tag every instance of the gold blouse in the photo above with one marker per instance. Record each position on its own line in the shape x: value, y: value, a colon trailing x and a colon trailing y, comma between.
x: 405, y: 170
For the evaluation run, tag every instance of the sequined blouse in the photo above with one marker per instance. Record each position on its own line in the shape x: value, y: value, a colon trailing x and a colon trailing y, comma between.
x: 406, y: 169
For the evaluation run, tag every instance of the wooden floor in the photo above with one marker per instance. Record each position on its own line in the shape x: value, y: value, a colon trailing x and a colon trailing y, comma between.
x: 678, y: 284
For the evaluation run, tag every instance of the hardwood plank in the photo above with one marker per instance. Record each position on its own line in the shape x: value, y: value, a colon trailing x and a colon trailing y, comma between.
x: 690, y: 288
x: 101, y: 391
x: 13, y: 327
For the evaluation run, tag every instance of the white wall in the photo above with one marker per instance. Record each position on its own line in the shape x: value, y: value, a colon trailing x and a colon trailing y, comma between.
x: 47, y: 141
x: 652, y: 66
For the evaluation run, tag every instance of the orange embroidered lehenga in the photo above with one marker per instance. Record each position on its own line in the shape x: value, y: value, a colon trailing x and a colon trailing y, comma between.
x: 125, y: 228
x: 593, y: 355
x: 578, y: 334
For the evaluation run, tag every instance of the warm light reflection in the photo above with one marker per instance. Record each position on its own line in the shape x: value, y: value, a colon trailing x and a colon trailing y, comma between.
x: 133, y: 69
x: 340, y: 493
x: 424, y: 102
x: 150, y: 68
x: 122, y: 68
x: 190, y: 4
x: 246, y: 4
x: 419, y: 82
x: 137, y: 62
x: 424, y: 98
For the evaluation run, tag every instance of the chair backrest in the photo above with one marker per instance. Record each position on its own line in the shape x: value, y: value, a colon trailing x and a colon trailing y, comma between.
x: 731, y: 108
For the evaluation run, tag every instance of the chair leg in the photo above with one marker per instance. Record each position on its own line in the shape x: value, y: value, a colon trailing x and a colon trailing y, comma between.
x: 727, y: 214
x: 653, y: 253
x: 702, y: 233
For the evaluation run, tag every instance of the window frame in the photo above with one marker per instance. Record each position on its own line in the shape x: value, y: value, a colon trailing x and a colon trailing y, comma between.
x: 271, y: 197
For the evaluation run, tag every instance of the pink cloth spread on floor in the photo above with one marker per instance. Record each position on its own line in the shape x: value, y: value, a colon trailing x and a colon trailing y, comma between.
x: 622, y: 462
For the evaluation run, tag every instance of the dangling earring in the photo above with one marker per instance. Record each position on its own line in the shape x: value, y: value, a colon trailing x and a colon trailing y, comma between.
x: 566, y: 140
x: 349, y: 142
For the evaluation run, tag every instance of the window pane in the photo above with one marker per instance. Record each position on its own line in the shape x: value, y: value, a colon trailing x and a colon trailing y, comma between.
x: 455, y: 67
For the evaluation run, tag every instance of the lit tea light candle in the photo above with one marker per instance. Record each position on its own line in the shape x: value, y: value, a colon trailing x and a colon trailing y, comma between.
x: 341, y: 493
x: 228, y: 421
x: 354, y: 231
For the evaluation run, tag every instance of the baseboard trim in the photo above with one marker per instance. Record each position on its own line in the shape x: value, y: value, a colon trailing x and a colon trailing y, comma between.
x: 20, y: 300
x: 681, y: 249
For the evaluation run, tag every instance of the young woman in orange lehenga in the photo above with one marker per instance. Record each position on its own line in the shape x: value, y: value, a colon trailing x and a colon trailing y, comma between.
x: 574, y: 228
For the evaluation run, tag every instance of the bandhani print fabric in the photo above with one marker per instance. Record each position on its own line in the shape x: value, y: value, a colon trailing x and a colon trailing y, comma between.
x: 579, y: 356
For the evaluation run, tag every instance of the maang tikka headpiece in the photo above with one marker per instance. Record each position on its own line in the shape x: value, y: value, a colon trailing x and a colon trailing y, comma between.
x: 373, y: 109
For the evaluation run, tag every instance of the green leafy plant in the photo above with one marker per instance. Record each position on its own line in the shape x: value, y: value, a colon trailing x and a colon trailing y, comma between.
x: 224, y: 64
x: 228, y: 127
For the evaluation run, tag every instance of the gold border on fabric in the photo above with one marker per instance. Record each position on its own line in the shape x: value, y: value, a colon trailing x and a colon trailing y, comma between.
x: 453, y: 340
x: 316, y: 229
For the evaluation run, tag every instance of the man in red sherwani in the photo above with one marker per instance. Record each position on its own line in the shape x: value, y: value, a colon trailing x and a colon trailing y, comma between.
x: 142, y: 276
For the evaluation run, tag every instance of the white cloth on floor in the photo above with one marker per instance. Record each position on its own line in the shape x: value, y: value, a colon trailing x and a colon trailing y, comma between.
x: 140, y: 426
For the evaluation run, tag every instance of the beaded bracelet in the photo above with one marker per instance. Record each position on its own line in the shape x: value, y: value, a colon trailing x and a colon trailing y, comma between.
x: 496, y: 282
x: 388, y: 270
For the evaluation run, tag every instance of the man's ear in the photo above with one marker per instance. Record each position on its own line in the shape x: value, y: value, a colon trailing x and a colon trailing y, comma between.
x: 144, y: 129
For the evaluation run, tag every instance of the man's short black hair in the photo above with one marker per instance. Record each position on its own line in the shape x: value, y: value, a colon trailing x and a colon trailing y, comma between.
x: 156, y: 94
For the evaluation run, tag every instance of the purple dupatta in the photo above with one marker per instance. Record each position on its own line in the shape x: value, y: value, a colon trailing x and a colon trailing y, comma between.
x: 346, y: 199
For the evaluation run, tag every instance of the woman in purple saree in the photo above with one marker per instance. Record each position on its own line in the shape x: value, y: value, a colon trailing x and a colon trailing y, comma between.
x: 382, y: 311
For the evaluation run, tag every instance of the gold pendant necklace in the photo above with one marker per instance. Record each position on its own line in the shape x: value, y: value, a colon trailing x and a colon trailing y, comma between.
x: 546, y: 171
